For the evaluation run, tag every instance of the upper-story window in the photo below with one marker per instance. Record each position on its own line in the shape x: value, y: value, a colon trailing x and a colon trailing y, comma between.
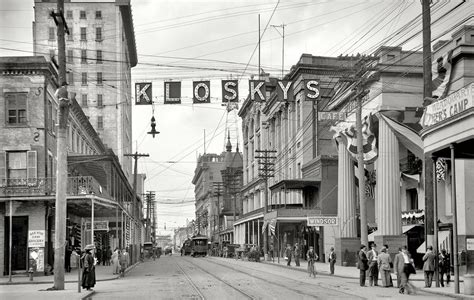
x: 17, y: 166
x: 99, y: 56
x: 98, y: 14
x: 100, y: 122
x: 82, y: 14
x: 70, y: 56
x: 98, y: 34
x: 83, y: 56
x: 70, y: 36
x: 84, y: 78
x: 99, y: 78
x: 52, y: 34
x: 16, y: 108
x: 70, y: 77
x: 100, y: 102
x: 83, y: 34
x: 84, y: 99
x: 69, y: 14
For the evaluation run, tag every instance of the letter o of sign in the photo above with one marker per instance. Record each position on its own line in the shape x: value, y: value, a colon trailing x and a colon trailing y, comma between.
x: 206, y: 91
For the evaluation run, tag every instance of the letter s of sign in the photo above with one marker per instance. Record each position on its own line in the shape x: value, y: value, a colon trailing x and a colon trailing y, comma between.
x: 311, y: 85
x: 227, y: 88
x: 36, y: 136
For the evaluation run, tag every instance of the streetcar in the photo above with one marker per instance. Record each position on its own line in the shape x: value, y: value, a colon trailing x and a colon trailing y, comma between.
x: 199, y: 245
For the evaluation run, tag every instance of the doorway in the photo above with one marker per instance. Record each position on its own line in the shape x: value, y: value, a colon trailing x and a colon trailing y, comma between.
x: 19, y: 244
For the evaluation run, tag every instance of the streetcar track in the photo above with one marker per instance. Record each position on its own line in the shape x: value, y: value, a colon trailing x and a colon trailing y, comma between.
x: 285, y: 278
x: 190, y: 281
x: 221, y: 280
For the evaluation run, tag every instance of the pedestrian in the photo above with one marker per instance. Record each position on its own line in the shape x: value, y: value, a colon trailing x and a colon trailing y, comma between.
x: 88, y: 273
x: 297, y: 253
x: 362, y: 264
x: 288, y: 254
x: 99, y: 255
x: 429, y: 266
x: 372, y: 256
x: 109, y: 256
x: 384, y: 262
x: 123, y: 262
x: 391, y: 266
x: 398, y: 265
x: 67, y: 257
x: 332, y: 260
x: 408, y: 269
x: 115, y: 261
x: 444, y: 267
x: 311, y: 257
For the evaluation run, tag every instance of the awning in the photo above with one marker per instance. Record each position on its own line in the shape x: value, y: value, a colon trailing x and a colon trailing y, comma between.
x: 443, y: 238
x: 407, y: 136
x: 295, y: 184
x: 405, y: 229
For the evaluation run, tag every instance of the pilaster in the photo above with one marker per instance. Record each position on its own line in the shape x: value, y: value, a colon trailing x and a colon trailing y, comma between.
x: 346, y: 194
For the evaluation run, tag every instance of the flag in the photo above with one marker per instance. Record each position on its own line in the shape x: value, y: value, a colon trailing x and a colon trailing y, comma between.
x: 441, y: 73
x: 369, y: 141
x: 272, y: 226
x: 441, y: 169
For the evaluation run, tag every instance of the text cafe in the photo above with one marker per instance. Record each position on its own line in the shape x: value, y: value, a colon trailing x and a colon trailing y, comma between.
x: 230, y: 91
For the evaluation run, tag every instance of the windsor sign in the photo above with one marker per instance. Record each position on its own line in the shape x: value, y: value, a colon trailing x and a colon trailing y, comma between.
x: 230, y: 91
x: 323, y: 221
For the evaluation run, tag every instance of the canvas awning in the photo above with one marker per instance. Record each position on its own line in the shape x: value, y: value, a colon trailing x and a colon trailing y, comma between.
x: 405, y: 229
x: 407, y: 136
x: 443, y: 238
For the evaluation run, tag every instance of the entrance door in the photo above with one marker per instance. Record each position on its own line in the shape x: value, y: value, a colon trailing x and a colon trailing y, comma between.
x: 19, y: 243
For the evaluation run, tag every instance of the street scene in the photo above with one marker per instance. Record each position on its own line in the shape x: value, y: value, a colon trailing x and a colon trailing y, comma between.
x: 266, y: 149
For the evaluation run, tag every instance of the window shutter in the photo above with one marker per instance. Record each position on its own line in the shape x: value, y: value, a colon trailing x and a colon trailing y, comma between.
x: 31, y: 172
x: 3, y: 168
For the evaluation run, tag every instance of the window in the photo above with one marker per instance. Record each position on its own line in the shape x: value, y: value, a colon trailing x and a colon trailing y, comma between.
x: 83, y: 34
x: 98, y: 14
x: 99, y: 57
x: 84, y: 99
x: 17, y: 167
x: 69, y: 14
x: 100, y: 103
x: 52, y: 34
x: 98, y: 34
x: 84, y: 78
x: 82, y: 14
x: 83, y: 56
x: 100, y: 122
x: 16, y: 108
x: 70, y: 36
x: 99, y: 77
x: 70, y: 77
x: 70, y: 56
x: 51, y: 53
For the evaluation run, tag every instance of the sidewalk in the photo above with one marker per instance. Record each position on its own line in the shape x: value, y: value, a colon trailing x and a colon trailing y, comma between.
x: 22, y: 288
x: 353, y: 273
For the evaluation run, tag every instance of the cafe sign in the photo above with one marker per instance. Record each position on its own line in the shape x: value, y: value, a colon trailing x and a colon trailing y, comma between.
x: 448, y: 107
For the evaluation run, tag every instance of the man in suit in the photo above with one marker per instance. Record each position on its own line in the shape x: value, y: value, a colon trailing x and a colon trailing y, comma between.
x: 362, y: 264
x: 332, y: 260
x: 372, y: 256
x: 297, y: 253
x: 398, y: 265
x: 429, y: 266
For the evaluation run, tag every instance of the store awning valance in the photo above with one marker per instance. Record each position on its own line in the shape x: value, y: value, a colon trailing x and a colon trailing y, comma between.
x: 407, y: 136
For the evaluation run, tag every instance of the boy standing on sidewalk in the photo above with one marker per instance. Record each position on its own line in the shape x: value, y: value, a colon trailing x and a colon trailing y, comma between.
x: 332, y: 261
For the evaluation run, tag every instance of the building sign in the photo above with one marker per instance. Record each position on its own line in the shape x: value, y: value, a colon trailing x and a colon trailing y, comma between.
x: 36, y: 238
x: 36, y: 259
x: 172, y: 92
x: 230, y: 91
x: 201, y: 92
x: 331, y: 116
x: 285, y: 91
x: 448, y: 107
x: 323, y: 221
x: 98, y: 225
x: 143, y: 95
x: 470, y: 244
x: 311, y: 88
x: 257, y: 90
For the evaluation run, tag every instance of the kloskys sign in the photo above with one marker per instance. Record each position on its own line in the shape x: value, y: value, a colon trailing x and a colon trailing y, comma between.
x: 448, y: 107
x: 230, y: 91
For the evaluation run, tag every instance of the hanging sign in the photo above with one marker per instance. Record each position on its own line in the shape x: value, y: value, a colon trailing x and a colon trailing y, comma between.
x: 257, y: 91
x: 36, y: 238
x: 201, y: 92
x: 311, y: 88
x: 331, y: 116
x: 98, y: 225
x: 143, y: 95
x: 230, y: 91
x: 172, y: 92
x: 322, y: 221
x: 285, y: 91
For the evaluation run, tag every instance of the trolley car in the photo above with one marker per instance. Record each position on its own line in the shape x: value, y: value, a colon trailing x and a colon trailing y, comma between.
x: 199, y: 245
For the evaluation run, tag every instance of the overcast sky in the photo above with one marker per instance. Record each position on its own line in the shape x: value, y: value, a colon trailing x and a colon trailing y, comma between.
x: 184, y: 40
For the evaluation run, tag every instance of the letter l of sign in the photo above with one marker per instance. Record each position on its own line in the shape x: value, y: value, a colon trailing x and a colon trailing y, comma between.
x: 256, y: 89
x: 285, y: 89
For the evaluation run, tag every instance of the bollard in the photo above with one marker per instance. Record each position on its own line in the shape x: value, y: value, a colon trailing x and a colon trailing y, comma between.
x: 30, y: 274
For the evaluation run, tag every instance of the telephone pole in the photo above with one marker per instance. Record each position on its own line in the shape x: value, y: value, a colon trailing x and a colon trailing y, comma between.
x: 266, y: 169
x: 282, y: 34
x: 61, y: 171
x: 217, y: 192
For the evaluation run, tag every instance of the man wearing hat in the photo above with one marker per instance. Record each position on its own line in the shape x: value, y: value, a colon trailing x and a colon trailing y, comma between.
x: 88, y: 274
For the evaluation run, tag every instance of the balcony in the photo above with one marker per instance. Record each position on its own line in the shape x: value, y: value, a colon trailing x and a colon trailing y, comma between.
x: 78, y: 185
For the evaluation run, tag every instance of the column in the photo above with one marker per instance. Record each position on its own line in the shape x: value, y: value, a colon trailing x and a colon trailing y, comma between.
x: 388, y: 214
x: 346, y: 199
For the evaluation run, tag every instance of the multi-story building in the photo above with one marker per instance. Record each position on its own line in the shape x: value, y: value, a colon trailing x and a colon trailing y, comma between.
x: 97, y: 190
x: 100, y: 52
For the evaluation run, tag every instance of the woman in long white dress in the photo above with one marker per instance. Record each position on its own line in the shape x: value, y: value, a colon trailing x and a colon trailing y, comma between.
x: 115, y: 261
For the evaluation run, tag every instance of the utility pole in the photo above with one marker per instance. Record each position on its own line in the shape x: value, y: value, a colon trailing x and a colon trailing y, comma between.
x: 150, y: 198
x: 61, y: 172
x: 218, y: 187
x: 266, y: 169
x: 427, y: 160
x: 282, y: 34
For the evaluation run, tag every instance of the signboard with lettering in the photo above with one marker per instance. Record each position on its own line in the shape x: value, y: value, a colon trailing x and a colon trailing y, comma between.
x: 331, y: 116
x: 323, y: 221
x: 201, y: 92
x: 143, y: 95
x: 172, y: 92
x: 230, y: 91
x: 36, y: 238
x: 452, y: 105
x: 98, y: 225
x: 470, y: 244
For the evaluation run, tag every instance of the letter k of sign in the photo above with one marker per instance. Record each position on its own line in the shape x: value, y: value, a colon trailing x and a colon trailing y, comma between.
x: 142, y: 92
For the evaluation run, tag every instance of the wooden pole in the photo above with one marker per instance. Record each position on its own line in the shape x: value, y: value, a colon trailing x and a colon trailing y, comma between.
x: 455, y: 221
x: 364, y: 239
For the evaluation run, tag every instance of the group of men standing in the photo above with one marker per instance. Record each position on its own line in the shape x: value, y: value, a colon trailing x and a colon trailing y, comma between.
x: 373, y: 263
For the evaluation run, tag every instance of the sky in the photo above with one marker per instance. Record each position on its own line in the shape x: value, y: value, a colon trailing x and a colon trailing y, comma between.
x: 217, y: 39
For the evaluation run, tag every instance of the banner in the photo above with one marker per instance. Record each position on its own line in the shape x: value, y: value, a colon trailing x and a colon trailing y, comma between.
x: 172, y: 92
x: 257, y: 90
x: 143, y: 95
x: 230, y: 91
x: 311, y: 88
x: 201, y: 92
x: 285, y: 91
